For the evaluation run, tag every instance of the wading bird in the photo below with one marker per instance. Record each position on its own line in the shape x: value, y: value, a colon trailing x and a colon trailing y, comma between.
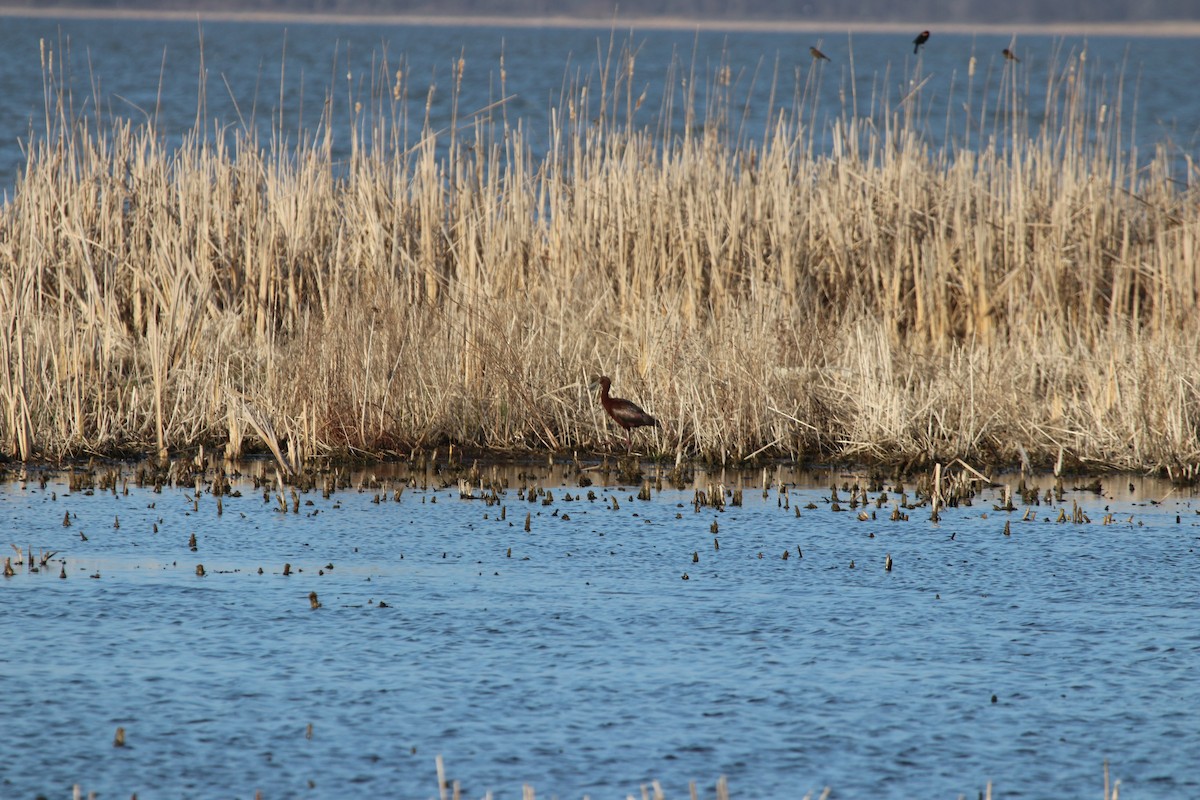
x: 626, y: 413
x: 921, y: 39
x: 1011, y: 56
x: 817, y: 54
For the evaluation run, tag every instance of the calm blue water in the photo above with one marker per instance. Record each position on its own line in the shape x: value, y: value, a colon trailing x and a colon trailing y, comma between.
x: 575, y: 657
x: 264, y: 75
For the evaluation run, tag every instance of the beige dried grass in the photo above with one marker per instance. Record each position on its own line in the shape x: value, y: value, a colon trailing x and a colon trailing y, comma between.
x: 1019, y: 291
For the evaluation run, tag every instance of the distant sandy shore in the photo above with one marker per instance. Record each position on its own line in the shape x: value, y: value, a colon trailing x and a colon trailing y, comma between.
x: 1166, y: 28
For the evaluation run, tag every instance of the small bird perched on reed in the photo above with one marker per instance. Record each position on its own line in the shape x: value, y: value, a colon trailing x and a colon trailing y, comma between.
x: 817, y: 54
x: 921, y: 39
x: 1011, y: 56
x: 626, y: 413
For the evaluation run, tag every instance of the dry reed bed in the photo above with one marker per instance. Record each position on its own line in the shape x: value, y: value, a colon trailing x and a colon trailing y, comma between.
x: 1022, y: 293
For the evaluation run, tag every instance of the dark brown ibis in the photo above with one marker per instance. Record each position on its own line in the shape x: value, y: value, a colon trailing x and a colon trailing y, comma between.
x: 921, y: 39
x: 626, y: 413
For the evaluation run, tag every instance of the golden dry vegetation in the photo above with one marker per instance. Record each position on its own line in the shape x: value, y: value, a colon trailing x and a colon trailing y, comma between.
x: 1027, y: 293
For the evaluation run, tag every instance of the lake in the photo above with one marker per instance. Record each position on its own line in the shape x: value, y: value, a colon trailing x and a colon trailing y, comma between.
x: 273, y: 77
x: 616, y: 641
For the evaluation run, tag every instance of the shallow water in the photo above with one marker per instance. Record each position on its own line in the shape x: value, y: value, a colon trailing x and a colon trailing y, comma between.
x: 583, y: 663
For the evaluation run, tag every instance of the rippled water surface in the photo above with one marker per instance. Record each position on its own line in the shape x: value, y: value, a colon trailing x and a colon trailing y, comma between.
x: 612, y: 644
x: 275, y: 78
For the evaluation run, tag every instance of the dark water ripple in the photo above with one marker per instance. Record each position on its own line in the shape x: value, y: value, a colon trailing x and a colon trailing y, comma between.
x: 583, y: 663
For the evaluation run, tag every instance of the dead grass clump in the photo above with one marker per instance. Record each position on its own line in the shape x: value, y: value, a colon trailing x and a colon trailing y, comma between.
x: 1023, y: 290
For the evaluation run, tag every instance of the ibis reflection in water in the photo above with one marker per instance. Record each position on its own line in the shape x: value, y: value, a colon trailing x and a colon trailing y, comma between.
x: 626, y: 413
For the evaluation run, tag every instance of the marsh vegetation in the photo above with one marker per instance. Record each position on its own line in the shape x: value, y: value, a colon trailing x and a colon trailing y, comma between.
x: 1025, y: 292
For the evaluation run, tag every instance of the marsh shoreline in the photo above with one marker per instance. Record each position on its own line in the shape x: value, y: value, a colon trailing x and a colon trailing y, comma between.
x: 624, y: 22
x: 1024, y: 296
